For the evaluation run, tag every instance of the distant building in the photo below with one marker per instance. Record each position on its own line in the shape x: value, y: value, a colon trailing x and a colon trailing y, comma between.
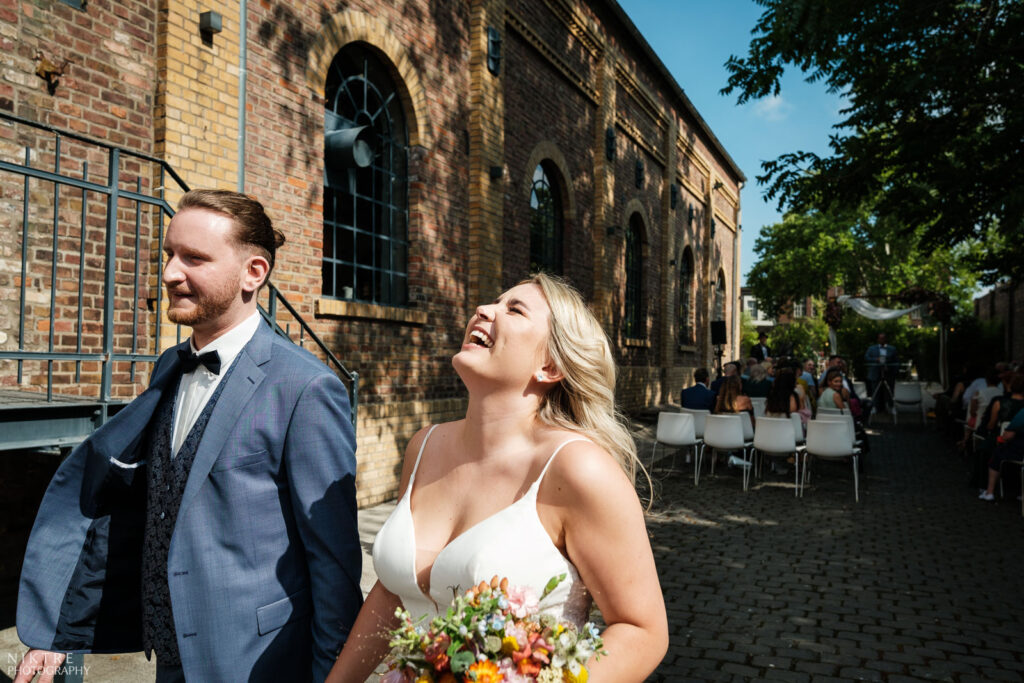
x: 1004, y: 303
x: 797, y: 309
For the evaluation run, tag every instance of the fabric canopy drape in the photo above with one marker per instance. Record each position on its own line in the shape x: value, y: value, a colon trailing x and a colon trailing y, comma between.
x: 871, y: 311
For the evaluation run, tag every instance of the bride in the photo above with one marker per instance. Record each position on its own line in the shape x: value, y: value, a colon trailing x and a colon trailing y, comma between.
x: 535, y: 481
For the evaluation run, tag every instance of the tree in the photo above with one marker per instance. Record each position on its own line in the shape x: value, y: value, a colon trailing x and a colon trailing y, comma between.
x: 807, y: 253
x: 800, y: 339
x: 933, y: 134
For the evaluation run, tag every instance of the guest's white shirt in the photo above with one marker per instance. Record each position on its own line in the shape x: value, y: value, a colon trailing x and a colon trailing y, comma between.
x: 197, y: 387
x: 972, y: 388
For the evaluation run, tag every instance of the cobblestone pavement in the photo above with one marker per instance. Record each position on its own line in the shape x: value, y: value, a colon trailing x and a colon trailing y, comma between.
x: 917, y: 581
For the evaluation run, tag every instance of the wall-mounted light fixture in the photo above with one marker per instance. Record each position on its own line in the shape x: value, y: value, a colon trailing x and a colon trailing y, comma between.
x: 718, y: 185
x: 609, y: 143
x: 639, y: 173
x: 210, y: 23
x: 672, y: 262
x: 493, y: 50
x: 673, y: 195
x: 691, y: 214
x: 611, y: 230
x: 496, y: 172
x: 712, y: 228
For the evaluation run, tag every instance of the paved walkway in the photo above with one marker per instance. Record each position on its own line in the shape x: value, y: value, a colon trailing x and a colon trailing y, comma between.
x: 918, y: 581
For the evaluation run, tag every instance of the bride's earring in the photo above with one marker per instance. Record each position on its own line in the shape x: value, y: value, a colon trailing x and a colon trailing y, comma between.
x: 540, y: 376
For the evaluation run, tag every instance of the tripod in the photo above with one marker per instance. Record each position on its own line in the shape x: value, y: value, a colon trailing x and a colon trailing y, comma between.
x: 883, y: 381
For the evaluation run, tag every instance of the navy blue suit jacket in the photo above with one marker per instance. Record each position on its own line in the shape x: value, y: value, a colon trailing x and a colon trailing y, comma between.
x: 698, y: 397
x: 265, y: 561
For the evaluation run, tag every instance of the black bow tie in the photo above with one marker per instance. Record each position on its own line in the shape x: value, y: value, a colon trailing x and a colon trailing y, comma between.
x: 190, y: 361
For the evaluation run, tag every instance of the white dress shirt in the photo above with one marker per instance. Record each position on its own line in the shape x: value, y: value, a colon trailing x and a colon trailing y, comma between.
x: 197, y: 387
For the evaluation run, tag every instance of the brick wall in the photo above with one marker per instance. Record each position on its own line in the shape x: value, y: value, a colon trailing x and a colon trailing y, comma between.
x: 1005, y: 303
x: 102, y: 68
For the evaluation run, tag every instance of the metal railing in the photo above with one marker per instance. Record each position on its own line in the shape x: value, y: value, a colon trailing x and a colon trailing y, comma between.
x: 84, y: 296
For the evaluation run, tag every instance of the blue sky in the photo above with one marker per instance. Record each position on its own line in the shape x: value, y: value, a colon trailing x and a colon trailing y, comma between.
x: 694, y: 38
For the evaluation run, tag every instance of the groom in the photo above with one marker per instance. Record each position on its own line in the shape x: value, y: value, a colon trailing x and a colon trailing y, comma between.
x: 213, y: 520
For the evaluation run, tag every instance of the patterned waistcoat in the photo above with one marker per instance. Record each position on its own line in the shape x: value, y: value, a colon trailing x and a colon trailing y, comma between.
x: 165, y: 488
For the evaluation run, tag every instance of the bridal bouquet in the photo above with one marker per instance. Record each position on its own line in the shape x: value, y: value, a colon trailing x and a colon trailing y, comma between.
x: 490, y: 634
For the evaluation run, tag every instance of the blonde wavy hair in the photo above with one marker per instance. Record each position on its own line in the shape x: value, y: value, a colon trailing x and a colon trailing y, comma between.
x: 584, y: 400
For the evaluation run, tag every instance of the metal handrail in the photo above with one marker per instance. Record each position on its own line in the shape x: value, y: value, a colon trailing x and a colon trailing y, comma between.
x: 114, y: 193
x: 270, y: 315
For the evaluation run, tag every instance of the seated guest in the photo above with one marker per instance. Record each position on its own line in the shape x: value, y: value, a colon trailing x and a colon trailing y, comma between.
x: 976, y: 384
x: 731, y: 398
x: 730, y: 369
x: 758, y: 383
x: 832, y: 394
x: 751, y: 362
x: 1002, y: 409
x: 1009, y: 446
x: 782, y: 397
x: 698, y: 397
x: 978, y: 407
x: 808, y: 375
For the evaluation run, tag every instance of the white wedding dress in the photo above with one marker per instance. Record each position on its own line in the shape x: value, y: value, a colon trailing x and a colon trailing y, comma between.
x: 510, y: 543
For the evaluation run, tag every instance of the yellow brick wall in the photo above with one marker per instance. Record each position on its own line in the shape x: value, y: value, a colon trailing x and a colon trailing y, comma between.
x: 383, y: 431
x: 197, y: 94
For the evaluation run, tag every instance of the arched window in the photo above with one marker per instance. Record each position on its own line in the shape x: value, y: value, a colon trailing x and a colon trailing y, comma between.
x: 546, y: 226
x: 686, y: 325
x: 720, y: 297
x: 633, y: 323
x: 365, y: 199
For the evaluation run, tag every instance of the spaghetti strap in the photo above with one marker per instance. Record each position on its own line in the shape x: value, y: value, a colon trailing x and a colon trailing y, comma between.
x: 552, y: 458
x: 416, y: 466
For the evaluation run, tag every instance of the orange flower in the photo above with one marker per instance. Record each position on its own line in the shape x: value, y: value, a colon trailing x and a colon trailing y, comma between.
x: 486, y: 672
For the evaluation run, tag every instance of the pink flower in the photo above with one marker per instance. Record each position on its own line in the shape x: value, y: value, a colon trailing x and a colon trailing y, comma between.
x: 508, y: 669
x: 522, y: 601
x: 396, y: 676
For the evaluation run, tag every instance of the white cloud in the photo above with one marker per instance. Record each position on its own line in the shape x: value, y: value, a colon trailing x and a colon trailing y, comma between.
x: 772, y: 108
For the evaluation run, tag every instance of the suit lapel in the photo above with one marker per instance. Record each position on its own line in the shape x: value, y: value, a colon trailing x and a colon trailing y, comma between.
x: 239, y: 388
x: 119, y: 437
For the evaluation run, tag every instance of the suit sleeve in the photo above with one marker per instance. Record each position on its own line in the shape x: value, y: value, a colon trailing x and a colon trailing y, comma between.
x: 321, y: 466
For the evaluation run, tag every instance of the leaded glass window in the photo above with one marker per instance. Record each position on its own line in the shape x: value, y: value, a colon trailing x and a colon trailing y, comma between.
x: 633, y: 327
x: 546, y: 226
x: 366, y: 208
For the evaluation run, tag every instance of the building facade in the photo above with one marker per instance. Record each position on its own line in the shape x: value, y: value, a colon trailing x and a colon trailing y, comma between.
x: 419, y: 156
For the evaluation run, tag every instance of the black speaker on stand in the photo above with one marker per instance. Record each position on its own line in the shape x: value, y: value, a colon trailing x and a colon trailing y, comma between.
x: 718, y: 338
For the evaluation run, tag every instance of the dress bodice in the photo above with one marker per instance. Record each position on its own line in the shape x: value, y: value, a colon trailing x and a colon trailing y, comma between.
x: 510, y: 543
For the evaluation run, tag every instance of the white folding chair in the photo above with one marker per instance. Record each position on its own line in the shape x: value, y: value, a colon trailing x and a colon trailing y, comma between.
x: 829, y: 410
x: 829, y: 440
x: 798, y: 428
x: 759, y: 404
x: 775, y: 436
x: 675, y: 430
x: 698, y: 420
x: 847, y: 419
x: 907, y: 394
x: 725, y: 432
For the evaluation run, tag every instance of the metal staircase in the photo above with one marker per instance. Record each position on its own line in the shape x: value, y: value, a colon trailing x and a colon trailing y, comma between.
x: 81, y: 242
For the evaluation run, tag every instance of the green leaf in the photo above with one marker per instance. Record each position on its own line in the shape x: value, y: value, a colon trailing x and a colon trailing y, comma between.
x: 552, y: 584
x: 461, y: 661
